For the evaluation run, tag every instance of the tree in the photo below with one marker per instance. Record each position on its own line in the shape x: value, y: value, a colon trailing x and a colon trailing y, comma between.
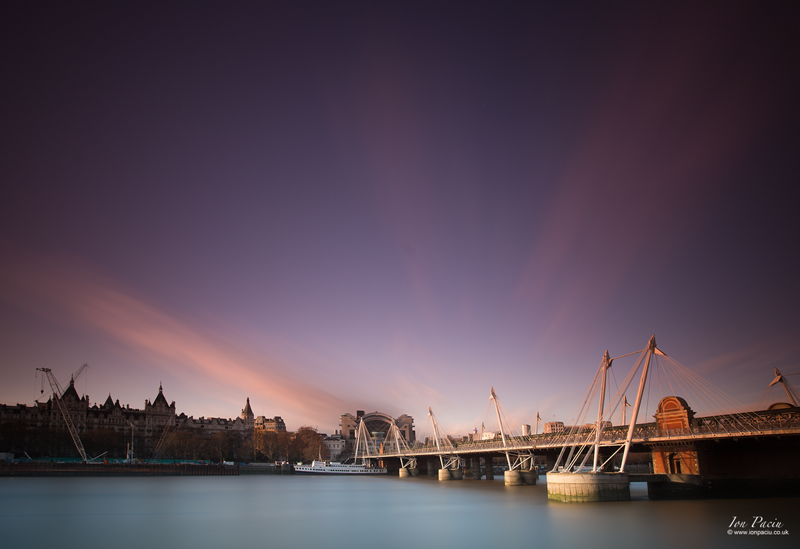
x: 14, y: 436
x: 97, y: 441
x: 220, y: 444
x: 308, y: 444
x: 283, y: 445
x: 262, y: 445
x: 184, y: 444
x: 270, y: 448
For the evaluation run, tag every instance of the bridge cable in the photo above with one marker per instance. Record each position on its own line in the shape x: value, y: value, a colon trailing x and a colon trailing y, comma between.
x: 572, y: 457
x: 573, y: 428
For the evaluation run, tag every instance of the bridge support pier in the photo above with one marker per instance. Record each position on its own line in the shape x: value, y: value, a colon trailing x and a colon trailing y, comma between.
x: 432, y: 467
x: 406, y: 472
x: 476, y: 468
x: 489, y: 466
x: 529, y: 477
x: 444, y: 474
x: 513, y: 478
x: 580, y: 487
x: 528, y: 471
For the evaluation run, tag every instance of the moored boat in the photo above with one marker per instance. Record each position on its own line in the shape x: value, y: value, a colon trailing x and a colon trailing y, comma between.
x: 318, y: 467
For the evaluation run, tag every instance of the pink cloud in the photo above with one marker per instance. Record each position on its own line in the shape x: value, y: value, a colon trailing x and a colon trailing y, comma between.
x: 62, y: 290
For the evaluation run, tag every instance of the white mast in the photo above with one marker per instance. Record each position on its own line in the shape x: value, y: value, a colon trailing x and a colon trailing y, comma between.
x: 624, y: 405
x: 606, y: 365
x: 779, y: 379
x: 436, y: 435
x: 362, y: 433
x: 651, y: 349
x: 500, y: 422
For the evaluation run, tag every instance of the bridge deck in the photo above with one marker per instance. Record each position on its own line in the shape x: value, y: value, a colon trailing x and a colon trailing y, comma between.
x: 647, y: 434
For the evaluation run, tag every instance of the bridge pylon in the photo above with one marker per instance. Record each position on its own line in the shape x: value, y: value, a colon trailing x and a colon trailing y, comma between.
x: 578, y: 482
x: 366, y: 449
x: 448, y: 459
x: 790, y: 391
x: 519, y: 461
x: 396, y: 444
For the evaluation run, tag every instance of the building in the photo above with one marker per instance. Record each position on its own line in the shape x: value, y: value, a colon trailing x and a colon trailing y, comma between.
x: 553, y: 427
x: 675, y: 415
x: 146, y: 424
x: 335, y: 444
x: 268, y: 425
x: 378, y: 424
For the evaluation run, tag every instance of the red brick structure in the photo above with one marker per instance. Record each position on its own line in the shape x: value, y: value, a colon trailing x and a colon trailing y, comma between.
x: 675, y: 416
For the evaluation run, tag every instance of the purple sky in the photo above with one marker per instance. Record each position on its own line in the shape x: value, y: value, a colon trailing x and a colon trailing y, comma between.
x: 389, y: 206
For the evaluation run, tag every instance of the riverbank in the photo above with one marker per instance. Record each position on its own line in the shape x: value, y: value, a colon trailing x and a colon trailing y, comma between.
x: 55, y: 469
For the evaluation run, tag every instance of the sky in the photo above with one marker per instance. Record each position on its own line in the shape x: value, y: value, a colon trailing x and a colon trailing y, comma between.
x: 327, y: 207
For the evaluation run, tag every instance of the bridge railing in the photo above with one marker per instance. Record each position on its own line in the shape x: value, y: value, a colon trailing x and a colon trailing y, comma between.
x: 616, y: 435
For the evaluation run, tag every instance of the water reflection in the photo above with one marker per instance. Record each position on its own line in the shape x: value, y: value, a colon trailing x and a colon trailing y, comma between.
x: 295, y: 511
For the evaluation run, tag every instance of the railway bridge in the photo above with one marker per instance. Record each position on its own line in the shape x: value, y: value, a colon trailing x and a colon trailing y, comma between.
x: 738, y: 452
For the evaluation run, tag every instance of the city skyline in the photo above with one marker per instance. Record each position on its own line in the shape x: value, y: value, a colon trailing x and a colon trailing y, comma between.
x: 339, y: 207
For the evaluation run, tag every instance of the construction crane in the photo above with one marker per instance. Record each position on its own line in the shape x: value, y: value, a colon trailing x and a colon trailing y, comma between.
x: 58, y: 392
x: 75, y: 376
x: 166, y: 437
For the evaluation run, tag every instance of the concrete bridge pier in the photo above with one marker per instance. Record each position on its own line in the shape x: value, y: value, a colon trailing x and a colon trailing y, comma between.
x: 452, y: 472
x: 529, y: 472
x: 529, y: 477
x: 513, y: 478
x: 432, y: 467
x: 581, y: 487
x: 489, y: 467
x: 406, y: 472
x: 475, y: 469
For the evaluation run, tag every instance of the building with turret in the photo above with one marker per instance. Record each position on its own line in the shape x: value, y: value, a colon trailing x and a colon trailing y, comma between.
x: 247, y: 415
x: 146, y: 424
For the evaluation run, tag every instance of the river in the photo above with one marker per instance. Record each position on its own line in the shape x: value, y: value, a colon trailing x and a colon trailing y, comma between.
x: 254, y: 511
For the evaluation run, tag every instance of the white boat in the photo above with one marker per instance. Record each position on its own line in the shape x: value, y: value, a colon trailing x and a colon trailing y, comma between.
x: 336, y: 468
x: 362, y: 464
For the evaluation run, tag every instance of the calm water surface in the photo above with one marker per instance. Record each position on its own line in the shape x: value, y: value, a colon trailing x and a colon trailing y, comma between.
x: 355, y: 513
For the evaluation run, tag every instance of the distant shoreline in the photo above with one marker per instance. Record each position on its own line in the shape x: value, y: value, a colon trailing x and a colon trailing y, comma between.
x: 54, y: 469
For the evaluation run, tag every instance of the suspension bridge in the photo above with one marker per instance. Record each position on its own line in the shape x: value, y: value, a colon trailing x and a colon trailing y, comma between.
x: 729, y: 448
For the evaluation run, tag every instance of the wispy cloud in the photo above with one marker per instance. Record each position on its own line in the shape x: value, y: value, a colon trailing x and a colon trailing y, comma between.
x: 63, y: 290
